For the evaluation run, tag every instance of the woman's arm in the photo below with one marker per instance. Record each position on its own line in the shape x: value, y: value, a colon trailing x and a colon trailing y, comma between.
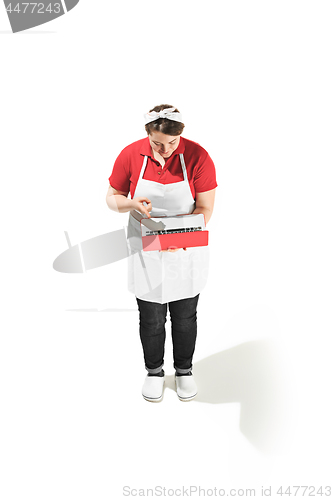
x: 118, y: 201
x: 204, y: 204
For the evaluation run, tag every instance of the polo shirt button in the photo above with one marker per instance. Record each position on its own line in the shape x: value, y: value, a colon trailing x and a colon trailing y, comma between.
x: 159, y: 173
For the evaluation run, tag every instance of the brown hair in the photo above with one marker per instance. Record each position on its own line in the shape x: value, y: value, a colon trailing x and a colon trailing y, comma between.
x: 164, y: 125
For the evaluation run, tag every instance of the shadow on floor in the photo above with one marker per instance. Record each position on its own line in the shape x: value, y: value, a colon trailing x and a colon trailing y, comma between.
x: 249, y: 374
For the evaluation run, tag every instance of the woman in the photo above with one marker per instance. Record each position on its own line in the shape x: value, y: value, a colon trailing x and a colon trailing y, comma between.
x: 166, y: 175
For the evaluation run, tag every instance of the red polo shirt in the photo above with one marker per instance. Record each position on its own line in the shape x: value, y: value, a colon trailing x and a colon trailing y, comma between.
x: 199, y: 166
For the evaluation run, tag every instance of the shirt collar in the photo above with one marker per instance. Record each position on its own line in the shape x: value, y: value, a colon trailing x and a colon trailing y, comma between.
x: 146, y: 148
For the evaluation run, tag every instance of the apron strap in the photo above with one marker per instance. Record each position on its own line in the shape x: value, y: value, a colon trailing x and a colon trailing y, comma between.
x: 182, y: 161
x: 144, y: 164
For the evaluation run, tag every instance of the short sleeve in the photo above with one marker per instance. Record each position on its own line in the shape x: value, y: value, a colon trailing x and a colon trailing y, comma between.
x: 205, y: 175
x: 120, y: 176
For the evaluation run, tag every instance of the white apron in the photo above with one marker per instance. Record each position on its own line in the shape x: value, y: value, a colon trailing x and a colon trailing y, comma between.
x: 165, y: 276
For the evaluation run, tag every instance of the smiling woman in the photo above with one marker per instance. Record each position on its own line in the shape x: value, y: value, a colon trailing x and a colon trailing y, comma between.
x: 163, y: 146
x: 164, y: 134
x: 166, y: 175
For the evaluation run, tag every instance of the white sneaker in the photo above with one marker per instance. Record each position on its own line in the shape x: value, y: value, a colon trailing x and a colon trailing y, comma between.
x: 186, y: 387
x: 152, y: 389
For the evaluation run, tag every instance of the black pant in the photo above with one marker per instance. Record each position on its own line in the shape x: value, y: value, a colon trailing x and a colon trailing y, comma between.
x: 183, y: 315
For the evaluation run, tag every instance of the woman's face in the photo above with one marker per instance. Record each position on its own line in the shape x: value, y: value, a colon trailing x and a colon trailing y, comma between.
x: 163, y: 144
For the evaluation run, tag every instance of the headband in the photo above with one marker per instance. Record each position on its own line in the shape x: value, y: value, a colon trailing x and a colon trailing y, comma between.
x: 165, y: 113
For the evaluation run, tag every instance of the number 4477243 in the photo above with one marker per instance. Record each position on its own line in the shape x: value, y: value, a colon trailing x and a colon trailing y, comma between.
x: 31, y: 7
x: 310, y: 491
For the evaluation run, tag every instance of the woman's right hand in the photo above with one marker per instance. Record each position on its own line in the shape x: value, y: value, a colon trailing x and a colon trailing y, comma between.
x: 142, y: 204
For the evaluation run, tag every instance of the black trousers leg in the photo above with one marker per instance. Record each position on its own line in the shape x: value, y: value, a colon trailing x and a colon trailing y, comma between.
x: 184, y: 332
x: 152, y: 333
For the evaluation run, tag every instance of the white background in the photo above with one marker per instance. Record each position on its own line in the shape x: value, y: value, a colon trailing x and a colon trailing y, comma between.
x: 253, y: 80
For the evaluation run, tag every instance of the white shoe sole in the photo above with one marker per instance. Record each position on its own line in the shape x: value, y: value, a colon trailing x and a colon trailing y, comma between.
x: 156, y: 400
x: 187, y: 399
